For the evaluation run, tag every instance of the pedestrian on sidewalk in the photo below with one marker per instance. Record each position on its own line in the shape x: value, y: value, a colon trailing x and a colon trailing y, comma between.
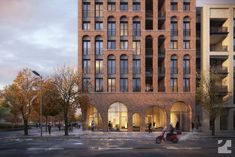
x: 49, y: 128
x: 92, y: 126
x: 150, y: 127
x: 110, y: 126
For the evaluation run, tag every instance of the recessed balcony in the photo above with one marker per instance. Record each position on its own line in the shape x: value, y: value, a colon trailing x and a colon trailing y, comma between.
x: 218, y: 48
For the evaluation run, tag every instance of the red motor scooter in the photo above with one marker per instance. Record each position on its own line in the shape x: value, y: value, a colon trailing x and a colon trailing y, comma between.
x: 169, y: 137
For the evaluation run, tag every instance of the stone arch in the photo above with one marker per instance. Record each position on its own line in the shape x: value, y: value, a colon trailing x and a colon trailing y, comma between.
x: 156, y: 116
x: 118, y: 116
x: 180, y: 116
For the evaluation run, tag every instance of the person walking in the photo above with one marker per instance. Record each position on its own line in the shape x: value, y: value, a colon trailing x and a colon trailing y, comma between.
x: 49, y: 128
x: 109, y: 126
x: 150, y: 127
x: 92, y: 126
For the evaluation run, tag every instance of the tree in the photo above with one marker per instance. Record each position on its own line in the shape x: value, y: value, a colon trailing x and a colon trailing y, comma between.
x: 207, y: 95
x: 68, y: 85
x: 21, y: 95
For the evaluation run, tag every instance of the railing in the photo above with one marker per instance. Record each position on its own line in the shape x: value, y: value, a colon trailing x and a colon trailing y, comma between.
x: 219, y: 70
x: 174, y: 33
x: 187, y: 32
x: 136, y: 32
x: 111, y: 32
x: 149, y: 51
x: 149, y: 13
x: 218, y: 48
x: 219, y: 30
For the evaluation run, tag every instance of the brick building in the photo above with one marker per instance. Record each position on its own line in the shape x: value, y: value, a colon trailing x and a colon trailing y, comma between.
x: 140, y: 58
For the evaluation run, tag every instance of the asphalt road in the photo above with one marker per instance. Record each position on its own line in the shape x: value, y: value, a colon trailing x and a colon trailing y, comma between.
x: 12, y: 144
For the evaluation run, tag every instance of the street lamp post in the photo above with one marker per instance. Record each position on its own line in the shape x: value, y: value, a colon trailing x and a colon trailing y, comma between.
x: 37, y: 74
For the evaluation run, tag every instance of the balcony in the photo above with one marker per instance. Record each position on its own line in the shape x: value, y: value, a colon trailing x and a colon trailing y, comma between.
x: 219, y: 30
x: 218, y: 48
x: 220, y: 70
x: 221, y: 90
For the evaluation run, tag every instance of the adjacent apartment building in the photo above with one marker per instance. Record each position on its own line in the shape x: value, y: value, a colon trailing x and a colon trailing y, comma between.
x: 216, y: 51
x: 140, y: 58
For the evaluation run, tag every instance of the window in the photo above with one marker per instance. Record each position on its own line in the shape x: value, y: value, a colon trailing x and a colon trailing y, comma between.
x: 124, y: 65
x: 136, y: 85
x: 173, y: 65
x: 186, y: 44
x: 174, y: 44
x: 86, y: 25
x: 174, y: 6
x: 174, y: 85
x: 186, y: 64
x: 186, y: 84
x: 111, y: 65
x: 123, y: 6
x: 186, y: 27
x: 174, y: 27
x: 86, y: 10
x: 111, y: 44
x: 124, y: 44
x: 111, y: 6
x: 86, y: 45
x: 111, y: 27
x: 85, y: 84
x: 123, y: 85
x: 136, y: 26
x: 86, y: 66
x: 111, y: 85
x: 136, y: 6
x: 136, y: 47
x: 136, y: 66
x: 186, y: 6
x: 98, y: 10
x: 124, y: 26
x: 99, y: 85
x: 99, y: 25
x: 98, y: 46
x: 99, y: 66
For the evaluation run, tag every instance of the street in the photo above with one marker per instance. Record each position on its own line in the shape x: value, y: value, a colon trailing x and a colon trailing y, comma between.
x: 105, y: 144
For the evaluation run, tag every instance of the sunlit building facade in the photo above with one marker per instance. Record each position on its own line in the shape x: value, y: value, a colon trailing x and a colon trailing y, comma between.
x: 139, y: 57
x: 216, y: 51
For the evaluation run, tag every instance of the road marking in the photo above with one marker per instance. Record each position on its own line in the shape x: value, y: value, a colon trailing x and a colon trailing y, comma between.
x: 183, y: 148
x: 78, y: 143
x: 45, y: 149
x: 100, y: 148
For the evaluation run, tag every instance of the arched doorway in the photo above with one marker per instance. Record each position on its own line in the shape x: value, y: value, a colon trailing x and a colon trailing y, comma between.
x: 156, y: 116
x: 118, y: 116
x: 93, y: 115
x: 180, y: 115
x: 136, y: 122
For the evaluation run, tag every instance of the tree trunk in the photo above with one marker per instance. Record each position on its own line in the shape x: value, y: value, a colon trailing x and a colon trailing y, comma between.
x: 213, y: 127
x: 26, y: 127
x: 66, y: 129
x: 46, y: 122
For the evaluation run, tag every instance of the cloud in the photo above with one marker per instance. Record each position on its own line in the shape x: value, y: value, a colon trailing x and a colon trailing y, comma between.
x: 36, y: 34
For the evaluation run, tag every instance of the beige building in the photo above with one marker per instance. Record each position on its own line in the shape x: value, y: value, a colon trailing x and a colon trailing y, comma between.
x: 217, y: 26
x: 140, y: 57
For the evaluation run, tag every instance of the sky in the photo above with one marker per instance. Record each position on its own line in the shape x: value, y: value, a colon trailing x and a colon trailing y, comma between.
x: 40, y: 35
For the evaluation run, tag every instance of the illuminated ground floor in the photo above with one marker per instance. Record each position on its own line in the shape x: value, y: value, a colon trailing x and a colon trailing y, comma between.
x: 134, y: 112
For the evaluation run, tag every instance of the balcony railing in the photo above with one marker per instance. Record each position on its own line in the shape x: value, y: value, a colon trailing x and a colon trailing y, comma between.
x: 149, y: 51
x: 214, y: 30
x: 174, y: 33
x: 220, y: 70
x: 187, y: 32
x: 218, y: 48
